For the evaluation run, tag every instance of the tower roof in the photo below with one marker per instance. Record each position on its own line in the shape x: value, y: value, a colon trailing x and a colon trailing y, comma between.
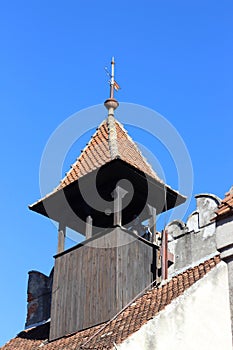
x: 110, y: 141
x: 110, y: 146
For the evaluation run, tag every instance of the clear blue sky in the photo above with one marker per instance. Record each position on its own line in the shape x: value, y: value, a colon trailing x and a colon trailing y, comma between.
x: 172, y: 56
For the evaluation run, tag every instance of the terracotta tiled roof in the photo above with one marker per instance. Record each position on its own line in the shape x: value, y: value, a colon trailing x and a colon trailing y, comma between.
x: 102, y: 337
x: 99, y: 151
x: 226, y: 206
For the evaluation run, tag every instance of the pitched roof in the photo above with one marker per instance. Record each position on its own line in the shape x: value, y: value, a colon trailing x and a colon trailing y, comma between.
x: 226, y: 206
x: 109, y: 142
x: 102, y: 337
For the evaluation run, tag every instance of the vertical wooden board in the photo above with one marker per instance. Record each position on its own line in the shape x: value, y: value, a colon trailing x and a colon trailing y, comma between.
x: 95, y: 276
x: 136, y: 266
x: 64, y: 286
x: 124, y: 257
x: 87, y: 287
x: 63, y: 292
x: 79, y: 286
x: 119, y: 278
x: 100, y: 287
x: 71, y: 291
x: 90, y: 285
x: 53, y: 301
x: 56, y: 301
x: 113, y: 280
x: 141, y: 257
x: 108, y: 294
x: 76, y: 288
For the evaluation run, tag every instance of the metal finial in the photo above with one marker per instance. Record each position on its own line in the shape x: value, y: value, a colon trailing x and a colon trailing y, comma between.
x: 111, y: 104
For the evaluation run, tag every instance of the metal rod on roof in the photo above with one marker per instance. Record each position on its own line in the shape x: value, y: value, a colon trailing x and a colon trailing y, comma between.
x: 112, y: 79
x: 111, y: 104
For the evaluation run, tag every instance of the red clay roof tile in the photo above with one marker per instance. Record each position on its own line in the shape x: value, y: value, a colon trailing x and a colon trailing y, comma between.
x: 226, y: 207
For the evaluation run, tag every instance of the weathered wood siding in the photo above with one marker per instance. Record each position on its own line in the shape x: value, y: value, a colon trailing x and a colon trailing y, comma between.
x: 95, y: 281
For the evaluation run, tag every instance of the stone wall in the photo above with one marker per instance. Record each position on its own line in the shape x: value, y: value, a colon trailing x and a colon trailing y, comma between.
x: 194, y: 240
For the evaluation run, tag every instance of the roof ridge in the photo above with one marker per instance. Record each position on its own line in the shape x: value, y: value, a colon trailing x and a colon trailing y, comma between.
x: 112, y: 136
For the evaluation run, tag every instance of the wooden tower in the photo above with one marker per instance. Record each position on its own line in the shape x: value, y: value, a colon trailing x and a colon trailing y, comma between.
x: 95, y: 279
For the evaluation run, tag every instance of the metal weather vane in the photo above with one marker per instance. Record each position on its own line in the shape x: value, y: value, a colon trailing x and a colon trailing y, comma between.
x: 113, y: 84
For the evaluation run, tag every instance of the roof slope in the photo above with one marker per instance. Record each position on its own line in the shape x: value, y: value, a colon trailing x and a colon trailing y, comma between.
x: 110, y: 141
x: 226, y: 206
x: 102, y: 337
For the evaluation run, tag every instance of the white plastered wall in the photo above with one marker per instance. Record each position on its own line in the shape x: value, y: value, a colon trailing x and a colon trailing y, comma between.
x: 199, y: 319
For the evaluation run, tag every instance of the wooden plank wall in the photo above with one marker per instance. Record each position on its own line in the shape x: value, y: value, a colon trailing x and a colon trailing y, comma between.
x: 93, y: 282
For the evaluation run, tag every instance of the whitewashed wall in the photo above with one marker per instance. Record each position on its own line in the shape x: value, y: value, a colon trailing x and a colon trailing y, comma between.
x: 199, y: 319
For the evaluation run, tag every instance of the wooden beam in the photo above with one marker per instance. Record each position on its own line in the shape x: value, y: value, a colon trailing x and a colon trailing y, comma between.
x: 154, y: 240
x: 88, y: 230
x: 61, y: 238
x: 118, y: 195
x: 164, y: 254
x: 152, y: 223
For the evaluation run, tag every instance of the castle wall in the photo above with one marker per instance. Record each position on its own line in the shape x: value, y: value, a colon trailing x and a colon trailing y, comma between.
x: 198, y: 319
